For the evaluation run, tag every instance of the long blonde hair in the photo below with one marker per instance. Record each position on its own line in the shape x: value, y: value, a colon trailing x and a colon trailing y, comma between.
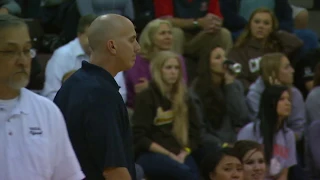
x: 147, y: 37
x: 246, y: 34
x: 179, y: 105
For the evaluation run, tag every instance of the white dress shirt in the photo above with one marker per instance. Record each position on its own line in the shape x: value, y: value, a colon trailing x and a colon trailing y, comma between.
x: 34, y: 141
x: 65, y: 59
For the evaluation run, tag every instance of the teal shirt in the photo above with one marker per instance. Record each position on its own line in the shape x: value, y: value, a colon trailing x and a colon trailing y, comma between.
x: 248, y: 6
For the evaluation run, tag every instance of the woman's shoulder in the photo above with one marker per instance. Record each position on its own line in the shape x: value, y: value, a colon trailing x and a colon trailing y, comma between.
x: 247, y: 132
x: 288, y: 133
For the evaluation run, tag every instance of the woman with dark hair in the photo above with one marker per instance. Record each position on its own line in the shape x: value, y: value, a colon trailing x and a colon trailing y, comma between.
x: 275, y: 68
x: 270, y: 130
x: 222, y: 164
x: 252, y: 157
x: 259, y: 37
x: 220, y: 98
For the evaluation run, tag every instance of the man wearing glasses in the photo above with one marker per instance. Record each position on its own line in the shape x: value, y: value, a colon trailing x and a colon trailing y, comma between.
x: 34, y: 143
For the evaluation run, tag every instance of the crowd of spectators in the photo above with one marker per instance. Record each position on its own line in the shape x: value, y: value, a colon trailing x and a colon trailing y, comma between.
x: 192, y: 117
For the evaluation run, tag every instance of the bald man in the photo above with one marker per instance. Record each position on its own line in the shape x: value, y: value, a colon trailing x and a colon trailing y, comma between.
x: 95, y: 113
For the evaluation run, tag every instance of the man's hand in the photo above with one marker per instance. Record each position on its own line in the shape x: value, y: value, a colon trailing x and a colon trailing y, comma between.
x: 143, y: 84
x: 116, y: 173
x: 210, y: 23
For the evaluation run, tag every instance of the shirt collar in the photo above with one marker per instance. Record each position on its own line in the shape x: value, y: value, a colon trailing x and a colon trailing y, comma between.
x: 23, y: 105
x: 77, y: 49
x: 96, y: 70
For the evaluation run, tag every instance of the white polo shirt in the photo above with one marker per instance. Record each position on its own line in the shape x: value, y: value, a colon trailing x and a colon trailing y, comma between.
x: 65, y: 59
x: 34, y: 143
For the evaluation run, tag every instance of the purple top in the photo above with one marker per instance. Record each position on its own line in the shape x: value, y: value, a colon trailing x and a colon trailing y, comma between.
x: 141, y: 69
x: 284, y: 147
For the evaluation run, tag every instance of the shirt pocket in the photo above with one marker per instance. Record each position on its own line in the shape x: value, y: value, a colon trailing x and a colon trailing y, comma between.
x: 37, y: 157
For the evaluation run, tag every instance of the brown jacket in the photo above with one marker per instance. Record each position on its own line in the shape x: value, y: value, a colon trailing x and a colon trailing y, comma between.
x: 152, y: 122
x: 253, y: 49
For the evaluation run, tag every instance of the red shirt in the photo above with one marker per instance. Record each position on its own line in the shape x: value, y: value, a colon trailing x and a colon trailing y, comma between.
x: 165, y: 8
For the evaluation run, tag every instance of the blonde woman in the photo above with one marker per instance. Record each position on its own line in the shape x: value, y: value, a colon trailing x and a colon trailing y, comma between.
x: 165, y: 124
x: 155, y: 37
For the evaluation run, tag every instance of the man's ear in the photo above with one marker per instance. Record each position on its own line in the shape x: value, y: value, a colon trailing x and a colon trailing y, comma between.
x: 111, y: 46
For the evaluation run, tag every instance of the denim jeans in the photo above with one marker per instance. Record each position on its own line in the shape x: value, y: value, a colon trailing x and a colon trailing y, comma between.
x: 158, y: 166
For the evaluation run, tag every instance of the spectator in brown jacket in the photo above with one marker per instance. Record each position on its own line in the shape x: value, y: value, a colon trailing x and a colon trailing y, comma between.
x: 259, y: 37
x: 165, y: 124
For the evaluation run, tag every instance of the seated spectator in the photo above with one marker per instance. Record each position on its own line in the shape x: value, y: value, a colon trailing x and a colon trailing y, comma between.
x: 200, y: 21
x: 59, y: 17
x: 300, y: 16
x: 155, y: 37
x: 221, y: 100
x: 69, y: 57
x: 9, y: 7
x: 304, y: 71
x: 275, y: 68
x: 312, y: 101
x: 98, y: 7
x: 252, y: 156
x: 258, y: 38
x: 222, y: 164
x: 237, y: 14
x: 271, y: 131
x: 165, y: 123
x: 312, y: 150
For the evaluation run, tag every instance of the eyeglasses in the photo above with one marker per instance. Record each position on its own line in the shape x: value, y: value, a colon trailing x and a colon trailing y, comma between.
x: 30, y: 53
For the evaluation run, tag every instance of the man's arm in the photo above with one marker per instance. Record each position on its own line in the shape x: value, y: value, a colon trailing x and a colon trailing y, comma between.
x: 283, y: 12
x: 116, y: 173
x: 53, y: 75
x: 66, y: 165
x: 165, y: 9
x: 232, y: 19
x: 103, y: 134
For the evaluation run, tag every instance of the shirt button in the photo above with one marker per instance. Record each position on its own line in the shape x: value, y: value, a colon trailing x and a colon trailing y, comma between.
x: 10, y: 133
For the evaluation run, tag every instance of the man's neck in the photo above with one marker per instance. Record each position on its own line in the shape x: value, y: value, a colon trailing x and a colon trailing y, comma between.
x: 105, y: 64
x: 7, y: 93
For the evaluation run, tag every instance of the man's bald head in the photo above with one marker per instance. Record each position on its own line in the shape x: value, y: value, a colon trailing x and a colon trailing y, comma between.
x: 105, y: 28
